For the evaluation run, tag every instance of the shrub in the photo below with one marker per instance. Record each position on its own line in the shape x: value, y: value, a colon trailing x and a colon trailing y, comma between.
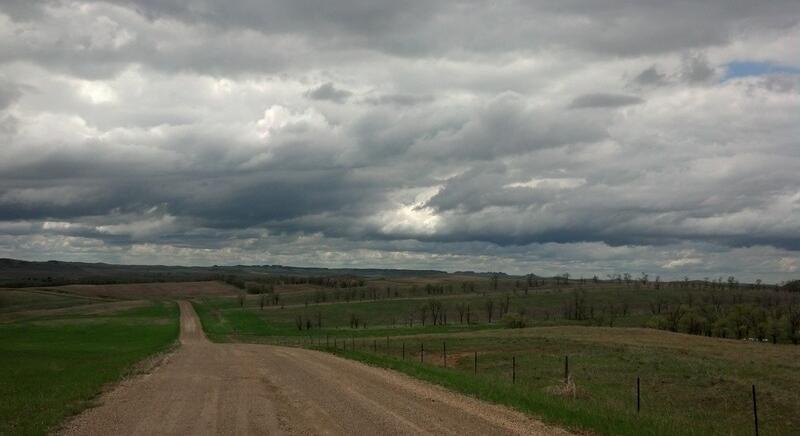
x: 514, y: 321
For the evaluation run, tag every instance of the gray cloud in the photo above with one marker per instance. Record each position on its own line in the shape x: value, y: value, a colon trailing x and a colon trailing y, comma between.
x: 650, y: 77
x: 9, y: 93
x: 162, y: 131
x: 695, y: 69
x: 327, y: 91
x: 398, y: 99
x: 601, y: 100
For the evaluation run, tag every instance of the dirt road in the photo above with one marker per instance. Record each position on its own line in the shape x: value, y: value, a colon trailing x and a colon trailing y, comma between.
x: 206, y: 388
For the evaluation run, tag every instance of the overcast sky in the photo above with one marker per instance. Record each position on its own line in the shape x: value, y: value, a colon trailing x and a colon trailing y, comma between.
x: 588, y: 137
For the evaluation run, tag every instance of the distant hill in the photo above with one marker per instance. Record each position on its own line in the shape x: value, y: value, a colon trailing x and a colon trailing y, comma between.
x: 21, y: 273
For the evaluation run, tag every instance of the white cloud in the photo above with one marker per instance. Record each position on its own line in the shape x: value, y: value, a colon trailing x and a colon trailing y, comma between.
x: 549, y: 183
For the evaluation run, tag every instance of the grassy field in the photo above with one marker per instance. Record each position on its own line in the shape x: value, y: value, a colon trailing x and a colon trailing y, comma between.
x: 697, y: 384
x: 52, y: 366
x: 33, y: 299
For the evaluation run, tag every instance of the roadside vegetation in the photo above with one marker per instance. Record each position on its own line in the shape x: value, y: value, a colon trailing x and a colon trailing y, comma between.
x: 696, y: 347
x: 53, y: 365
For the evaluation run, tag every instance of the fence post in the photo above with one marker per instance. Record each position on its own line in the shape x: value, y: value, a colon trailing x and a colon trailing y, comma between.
x: 513, y: 369
x: 476, y: 363
x: 404, y: 351
x: 638, y: 395
x: 374, y: 345
x: 421, y: 353
x: 444, y: 353
x: 566, y: 369
x: 755, y: 410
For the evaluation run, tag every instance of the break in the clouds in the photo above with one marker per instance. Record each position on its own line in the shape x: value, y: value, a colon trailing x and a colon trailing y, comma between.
x: 523, y: 136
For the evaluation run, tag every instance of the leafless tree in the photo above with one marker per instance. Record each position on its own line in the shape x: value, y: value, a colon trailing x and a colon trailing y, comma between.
x: 461, y: 308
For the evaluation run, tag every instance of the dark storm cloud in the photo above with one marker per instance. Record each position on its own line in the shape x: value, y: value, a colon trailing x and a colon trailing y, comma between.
x: 407, y: 134
x: 327, y: 91
x: 601, y: 100
x: 410, y: 27
x: 301, y: 34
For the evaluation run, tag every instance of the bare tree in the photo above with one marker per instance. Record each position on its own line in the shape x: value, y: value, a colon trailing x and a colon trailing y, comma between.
x: 461, y: 308
x: 504, y: 305
x: 494, y: 279
x: 793, y: 323
x: 436, y: 311
x: 423, y: 313
x: 489, y: 305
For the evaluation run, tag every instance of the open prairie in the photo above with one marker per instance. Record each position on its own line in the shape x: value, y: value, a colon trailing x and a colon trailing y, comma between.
x: 57, y: 352
x: 523, y: 339
x: 557, y: 356
x: 139, y: 291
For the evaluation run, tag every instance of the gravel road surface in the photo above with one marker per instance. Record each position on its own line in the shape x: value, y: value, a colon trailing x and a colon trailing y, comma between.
x: 207, y: 388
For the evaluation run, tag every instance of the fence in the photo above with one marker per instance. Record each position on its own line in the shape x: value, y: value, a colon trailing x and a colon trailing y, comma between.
x: 397, y: 349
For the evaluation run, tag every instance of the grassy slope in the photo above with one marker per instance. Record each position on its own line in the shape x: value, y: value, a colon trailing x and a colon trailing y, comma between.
x: 34, y: 299
x: 52, y: 368
x: 700, y: 385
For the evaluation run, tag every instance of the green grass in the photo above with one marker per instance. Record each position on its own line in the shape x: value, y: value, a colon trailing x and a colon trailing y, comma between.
x: 550, y: 408
x: 696, y: 384
x: 224, y: 321
x: 52, y: 368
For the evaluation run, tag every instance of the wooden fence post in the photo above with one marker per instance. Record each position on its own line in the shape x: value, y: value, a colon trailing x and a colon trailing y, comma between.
x: 638, y: 395
x: 421, y: 353
x: 755, y: 410
x: 444, y: 353
x: 513, y: 369
x: 566, y: 369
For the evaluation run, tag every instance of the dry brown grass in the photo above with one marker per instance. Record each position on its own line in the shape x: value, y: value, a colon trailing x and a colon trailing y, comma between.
x: 301, y: 287
x: 407, y: 282
x: 679, y: 343
x: 84, y: 309
x: 567, y: 389
x: 138, y: 291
